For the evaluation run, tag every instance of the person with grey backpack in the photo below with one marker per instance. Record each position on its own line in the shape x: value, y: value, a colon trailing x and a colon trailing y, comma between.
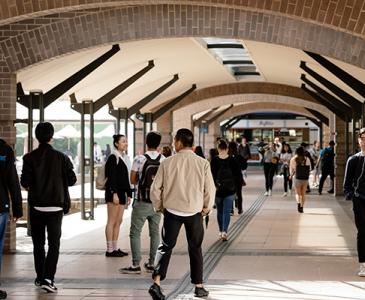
x: 143, y: 172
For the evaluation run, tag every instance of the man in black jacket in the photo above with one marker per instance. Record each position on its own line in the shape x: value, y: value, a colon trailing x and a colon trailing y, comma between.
x: 9, y: 185
x: 354, y: 189
x: 46, y: 175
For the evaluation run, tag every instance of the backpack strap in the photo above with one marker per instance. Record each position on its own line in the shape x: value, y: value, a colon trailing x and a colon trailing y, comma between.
x: 152, y: 160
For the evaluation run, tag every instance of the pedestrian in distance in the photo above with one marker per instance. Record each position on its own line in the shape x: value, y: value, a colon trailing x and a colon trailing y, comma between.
x: 300, y: 167
x: 46, y: 175
x: 271, y: 160
x: 143, y: 171
x: 9, y: 192
x: 354, y: 189
x: 285, y: 157
x: 183, y: 190
x: 118, y: 193
x: 327, y: 161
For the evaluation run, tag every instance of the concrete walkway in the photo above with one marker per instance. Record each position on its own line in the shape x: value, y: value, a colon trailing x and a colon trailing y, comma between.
x: 273, y: 252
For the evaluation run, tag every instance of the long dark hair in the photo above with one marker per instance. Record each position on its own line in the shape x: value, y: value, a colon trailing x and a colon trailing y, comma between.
x: 300, y: 155
x: 116, y: 138
x: 232, y: 149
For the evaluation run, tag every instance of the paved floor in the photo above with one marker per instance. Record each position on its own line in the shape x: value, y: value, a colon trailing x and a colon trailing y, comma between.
x: 273, y: 253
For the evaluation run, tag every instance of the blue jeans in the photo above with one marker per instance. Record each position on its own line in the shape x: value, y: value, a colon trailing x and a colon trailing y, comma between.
x: 224, y: 207
x: 3, y: 221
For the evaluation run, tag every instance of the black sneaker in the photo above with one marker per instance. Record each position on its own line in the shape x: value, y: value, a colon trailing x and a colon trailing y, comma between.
x: 330, y: 191
x: 37, y: 282
x: 201, y: 292
x: 130, y: 270
x: 155, y: 292
x: 121, y: 253
x: 149, y: 268
x: 298, y: 207
x: 3, y: 294
x: 48, y: 286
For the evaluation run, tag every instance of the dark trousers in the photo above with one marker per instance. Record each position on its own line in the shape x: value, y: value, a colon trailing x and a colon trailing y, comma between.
x: 287, y: 182
x: 325, y: 173
x: 46, y: 265
x: 359, y: 213
x: 194, y: 234
x: 238, y: 198
x: 269, y: 171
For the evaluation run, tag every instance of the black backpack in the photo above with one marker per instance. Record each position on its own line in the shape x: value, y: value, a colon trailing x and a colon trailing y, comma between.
x: 302, y: 170
x: 149, y: 171
x: 225, y: 181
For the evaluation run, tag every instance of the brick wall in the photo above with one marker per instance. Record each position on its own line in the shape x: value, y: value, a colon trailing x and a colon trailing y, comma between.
x: 340, y: 159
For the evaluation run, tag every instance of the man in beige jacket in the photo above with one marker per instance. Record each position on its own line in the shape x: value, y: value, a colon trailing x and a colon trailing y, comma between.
x: 184, y: 191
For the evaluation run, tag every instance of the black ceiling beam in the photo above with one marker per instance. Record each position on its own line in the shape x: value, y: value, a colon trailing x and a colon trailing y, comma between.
x: 68, y: 83
x: 315, y: 121
x: 325, y: 102
x: 216, y: 116
x: 238, y: 62
x: 113, y: 93
x: 346, y: 97
x: 227, y: 123
x: 318, y: 115
x: 225, y: 46
x: 231, y: 124
x: 324, y: 94
x: 345, y: 77
x: 172, y: 103
x: 198, y: 121
x: 239, y: 73
x: 136, y: 107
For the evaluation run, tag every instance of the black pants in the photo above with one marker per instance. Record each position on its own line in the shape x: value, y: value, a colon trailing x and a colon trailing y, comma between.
x: 286, y: 179
x: 194, y: 234
x: 46, y: 265
x: 325, y: 173
x: 238, y: 198
x: 269, y: 171
x: 359, y: 212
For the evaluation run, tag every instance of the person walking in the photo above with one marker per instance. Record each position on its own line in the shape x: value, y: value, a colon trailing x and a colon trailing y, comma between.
x: 183, y: 190
x: 354, y: 189
x: 46, y: 175
x: 143, y: 171
x: 271, y: 159
x: 239, y: 161
x: 328, y: 167
x: 300, y: 168
x: 118, y: 193
x: 285, y: 157
x: 9, y: 191
x: 315, y: 153
x: 245, y: 152
x: 227, y: 177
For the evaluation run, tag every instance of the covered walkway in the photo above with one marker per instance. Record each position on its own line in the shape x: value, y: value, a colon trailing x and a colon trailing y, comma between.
x: 273, y: 252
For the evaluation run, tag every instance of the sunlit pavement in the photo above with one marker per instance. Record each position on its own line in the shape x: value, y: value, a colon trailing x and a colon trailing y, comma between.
x: 277, y: 254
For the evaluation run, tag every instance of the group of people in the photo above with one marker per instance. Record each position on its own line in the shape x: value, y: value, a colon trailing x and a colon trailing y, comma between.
x: 278, y: 158
x: 159, y: 184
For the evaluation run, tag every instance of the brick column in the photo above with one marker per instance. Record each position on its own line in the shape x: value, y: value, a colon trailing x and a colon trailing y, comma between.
x: 164, y: 126
x: 340, y: 159
x: 8, y: 132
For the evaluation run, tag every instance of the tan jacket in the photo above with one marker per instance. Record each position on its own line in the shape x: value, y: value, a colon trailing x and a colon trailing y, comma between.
x: 184, y: 183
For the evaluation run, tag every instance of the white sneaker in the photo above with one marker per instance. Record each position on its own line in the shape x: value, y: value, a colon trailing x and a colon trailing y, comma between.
x: 362, y: 270
x: 285, y: 194
x: 270, y: 193
x: 266, y: 194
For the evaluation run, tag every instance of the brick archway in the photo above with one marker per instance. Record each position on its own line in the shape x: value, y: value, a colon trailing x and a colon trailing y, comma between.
x: 178, y: 20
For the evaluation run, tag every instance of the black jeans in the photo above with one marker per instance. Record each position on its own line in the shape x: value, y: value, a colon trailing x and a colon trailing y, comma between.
x: 286, y: 179
x: 325, y: 173
x: 359, y: 213
x: 45, y: 266
x: 194, y: 234
x: 269, y: 170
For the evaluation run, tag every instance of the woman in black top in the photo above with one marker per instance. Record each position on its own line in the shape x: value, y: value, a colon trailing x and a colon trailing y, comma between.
x: 118, y: 193
x: 227, y: 176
